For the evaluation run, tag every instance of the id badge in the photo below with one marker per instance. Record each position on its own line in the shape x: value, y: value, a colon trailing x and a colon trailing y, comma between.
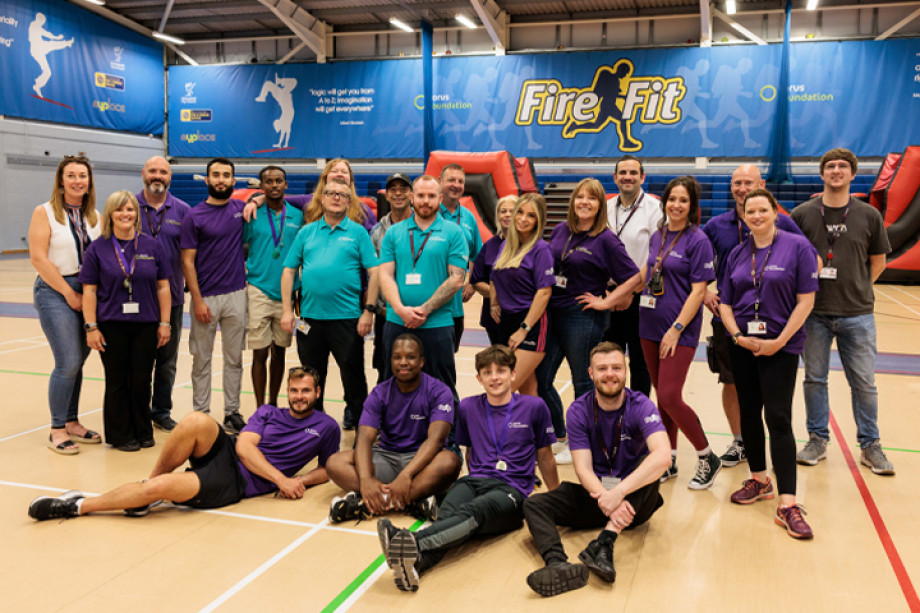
x: 561, y: 281
x: 414, y: 278
x: 610, y: 482
x: 501, y: 465
x: 130, y: 308
x: 758, y: 327
x: 647, y: 302
x: 301, y: 325
x: 828, y: 273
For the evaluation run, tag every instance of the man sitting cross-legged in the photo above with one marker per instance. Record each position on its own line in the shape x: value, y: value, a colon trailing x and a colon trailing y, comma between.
x: 413, y: 413
x: 264, y: 457
x: 505, y: 435
x: 619, y: 449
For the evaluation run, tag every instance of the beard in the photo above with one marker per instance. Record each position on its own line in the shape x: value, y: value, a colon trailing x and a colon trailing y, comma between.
x: 609, y: 392
x: 306, y: 409
x: 220, y: 194
x: 156, y: 187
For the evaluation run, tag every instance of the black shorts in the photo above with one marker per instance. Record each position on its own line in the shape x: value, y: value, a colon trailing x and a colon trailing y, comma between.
x: 219, y: 474
x: 719, y: 361
x: 511, y: 323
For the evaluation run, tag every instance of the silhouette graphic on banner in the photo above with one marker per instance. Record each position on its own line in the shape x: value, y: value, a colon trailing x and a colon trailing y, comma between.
x: 281, y: 89
x: 41, y: 43
x: 609, y: 87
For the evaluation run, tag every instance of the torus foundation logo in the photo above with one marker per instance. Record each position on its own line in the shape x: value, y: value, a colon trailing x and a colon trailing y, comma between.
x: 615, y: 96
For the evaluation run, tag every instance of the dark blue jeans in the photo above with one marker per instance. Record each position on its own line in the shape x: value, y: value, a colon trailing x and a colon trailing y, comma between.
x: 572, y: 334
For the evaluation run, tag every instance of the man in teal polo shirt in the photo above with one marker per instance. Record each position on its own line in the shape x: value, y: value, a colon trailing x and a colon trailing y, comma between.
x: 332, y: 252
x: 423, y: 263
x: 453, y: 183
x: 269, y: 236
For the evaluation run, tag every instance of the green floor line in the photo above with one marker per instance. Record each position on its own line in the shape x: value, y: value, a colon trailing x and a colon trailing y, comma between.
x: 360, y: 579
x: 42, y: 374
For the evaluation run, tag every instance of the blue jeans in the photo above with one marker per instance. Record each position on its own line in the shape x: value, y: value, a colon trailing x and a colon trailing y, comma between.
x: 572, y: 334
x: 856, y: 348
x: 63, y: 327
x: 164, y: 373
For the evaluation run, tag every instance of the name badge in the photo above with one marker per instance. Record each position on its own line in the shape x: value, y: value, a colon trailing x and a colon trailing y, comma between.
x: 130, y: 308
x: 301, y: 325
x: 501, y: 465
x: 757, y: 327
x: 828, y: 273
x: 414, y: 278
x: 610, y: 482
x: 647, y: 302
x: 561, y: 281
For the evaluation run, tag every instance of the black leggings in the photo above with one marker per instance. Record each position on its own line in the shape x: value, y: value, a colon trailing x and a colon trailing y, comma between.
x: 765, y: 387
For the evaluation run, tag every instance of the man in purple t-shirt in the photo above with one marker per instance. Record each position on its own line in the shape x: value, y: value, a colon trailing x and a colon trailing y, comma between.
x: 505, y: 434
x: 265, y: 457
x: 619, y: 449
x: 212, y: 260
x: 413, y: 414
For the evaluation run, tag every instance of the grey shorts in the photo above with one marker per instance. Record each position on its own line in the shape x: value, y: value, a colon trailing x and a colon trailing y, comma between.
x: 388, y: 464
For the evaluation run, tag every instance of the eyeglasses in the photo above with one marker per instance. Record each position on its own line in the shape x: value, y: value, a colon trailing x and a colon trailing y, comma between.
x: 337, y: 195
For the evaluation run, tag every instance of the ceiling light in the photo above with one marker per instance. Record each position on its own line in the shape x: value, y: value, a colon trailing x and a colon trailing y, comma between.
x: 812, y: 5
x: 466, y: 21
x: 730, y: 7
x: 169, y: 39
x: 97, y: 2
x: 399, y: 24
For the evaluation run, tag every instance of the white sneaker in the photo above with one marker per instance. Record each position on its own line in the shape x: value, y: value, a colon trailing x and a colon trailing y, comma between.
x: 562, y: 453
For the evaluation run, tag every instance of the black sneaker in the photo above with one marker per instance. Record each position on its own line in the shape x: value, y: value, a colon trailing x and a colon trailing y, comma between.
x: 348, y: 507
x: 167, y: 424
x: 706, y: 471
x: 60, y: 507
x: 599, y: 559
x: 734, y: 455
x: 558, y: 579
x: 234, y: 423
x: 129, y: 446
x: 670, y: 472
x: 142, y: 511
x: 425, y: 509
x: 402, y: 555
x: 385, y: 532
x: 147, y: 443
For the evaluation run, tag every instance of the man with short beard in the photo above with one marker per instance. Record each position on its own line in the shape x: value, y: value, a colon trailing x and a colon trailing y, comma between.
x: 619, y: 449
x: 161, y: 217
x: 266, y: 457
x: 212, y: 260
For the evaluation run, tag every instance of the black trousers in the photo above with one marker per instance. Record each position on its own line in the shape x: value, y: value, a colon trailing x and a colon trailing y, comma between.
x: 340, y: 338
x: 766, y: 385
x: 624, y: 331
x: 458, y: 332
x: 130, y: 349
x: 377, y: 361
x: 571, y: 505
x: 472, y: 506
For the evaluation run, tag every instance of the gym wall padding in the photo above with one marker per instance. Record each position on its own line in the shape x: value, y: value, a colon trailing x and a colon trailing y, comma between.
x: 499, y: 164
x: 526, y: 175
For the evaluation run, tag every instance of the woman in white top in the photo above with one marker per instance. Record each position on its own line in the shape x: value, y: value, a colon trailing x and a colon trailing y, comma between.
x: 59, y: 234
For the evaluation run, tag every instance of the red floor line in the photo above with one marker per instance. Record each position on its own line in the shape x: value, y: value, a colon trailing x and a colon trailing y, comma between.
x: 907, y: 587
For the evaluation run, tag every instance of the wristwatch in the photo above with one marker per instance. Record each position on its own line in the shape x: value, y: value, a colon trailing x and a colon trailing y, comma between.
x: 371, y: 308
x: 736, y: 336
x: 678, y: 326
x: 89, y: 327
x: 525, y: 327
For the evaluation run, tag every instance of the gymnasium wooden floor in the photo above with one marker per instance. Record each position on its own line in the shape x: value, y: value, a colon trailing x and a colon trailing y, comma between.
x: 699, y: 552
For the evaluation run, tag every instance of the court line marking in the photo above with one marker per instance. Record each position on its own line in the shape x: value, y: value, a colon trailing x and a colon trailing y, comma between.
x: 894, y: 558
x: 893, y: 299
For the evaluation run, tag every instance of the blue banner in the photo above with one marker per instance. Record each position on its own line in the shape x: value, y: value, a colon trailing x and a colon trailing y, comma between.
x: 64, y: 64
x: 675, y: 102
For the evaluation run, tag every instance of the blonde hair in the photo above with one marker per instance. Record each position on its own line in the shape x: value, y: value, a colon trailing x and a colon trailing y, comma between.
x: 314, y: 210
x: 513, y: 252
x: 498, y: 208
x: 595, y: 190
x: 57, y: 192
x: 113, y: 203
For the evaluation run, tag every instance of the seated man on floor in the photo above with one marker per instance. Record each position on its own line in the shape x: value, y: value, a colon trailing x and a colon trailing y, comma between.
x: 413, y: 414
x: 264, y: 457
x: 619, y: 449
x: 505, y: 435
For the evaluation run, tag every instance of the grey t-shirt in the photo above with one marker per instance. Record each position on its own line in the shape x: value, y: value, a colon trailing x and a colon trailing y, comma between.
x: 863, y: 234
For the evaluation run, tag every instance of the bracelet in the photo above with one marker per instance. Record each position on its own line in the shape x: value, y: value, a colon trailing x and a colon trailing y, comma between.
x: 164, y: 324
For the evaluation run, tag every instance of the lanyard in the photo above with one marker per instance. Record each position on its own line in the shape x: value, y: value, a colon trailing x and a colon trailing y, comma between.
x: 758, y: 283
x: 833, y: 236
x: 123, y: 263
x: 659, y: 261
x: 632, y: 211
x: 565, y: 250
x: 616, y: 436
x: 740, y: 235
x: 416, y: 256
x: 78, y: 229
x: 278, y: 239
x: 155, y: 231
x: 499, y: 442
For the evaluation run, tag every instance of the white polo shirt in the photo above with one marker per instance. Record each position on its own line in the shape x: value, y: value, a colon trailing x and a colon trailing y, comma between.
x: 634, y: 226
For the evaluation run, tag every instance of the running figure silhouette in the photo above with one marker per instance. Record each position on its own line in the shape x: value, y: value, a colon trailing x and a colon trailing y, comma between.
x: 41, y: 43
x: 609, y: 85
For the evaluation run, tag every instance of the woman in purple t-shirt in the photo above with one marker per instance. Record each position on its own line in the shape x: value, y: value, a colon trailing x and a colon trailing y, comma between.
x: 482, y: 266
x: 522, y: 282
x: 768, y: 292
x: 126, y: 304
x: 680, y: 266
